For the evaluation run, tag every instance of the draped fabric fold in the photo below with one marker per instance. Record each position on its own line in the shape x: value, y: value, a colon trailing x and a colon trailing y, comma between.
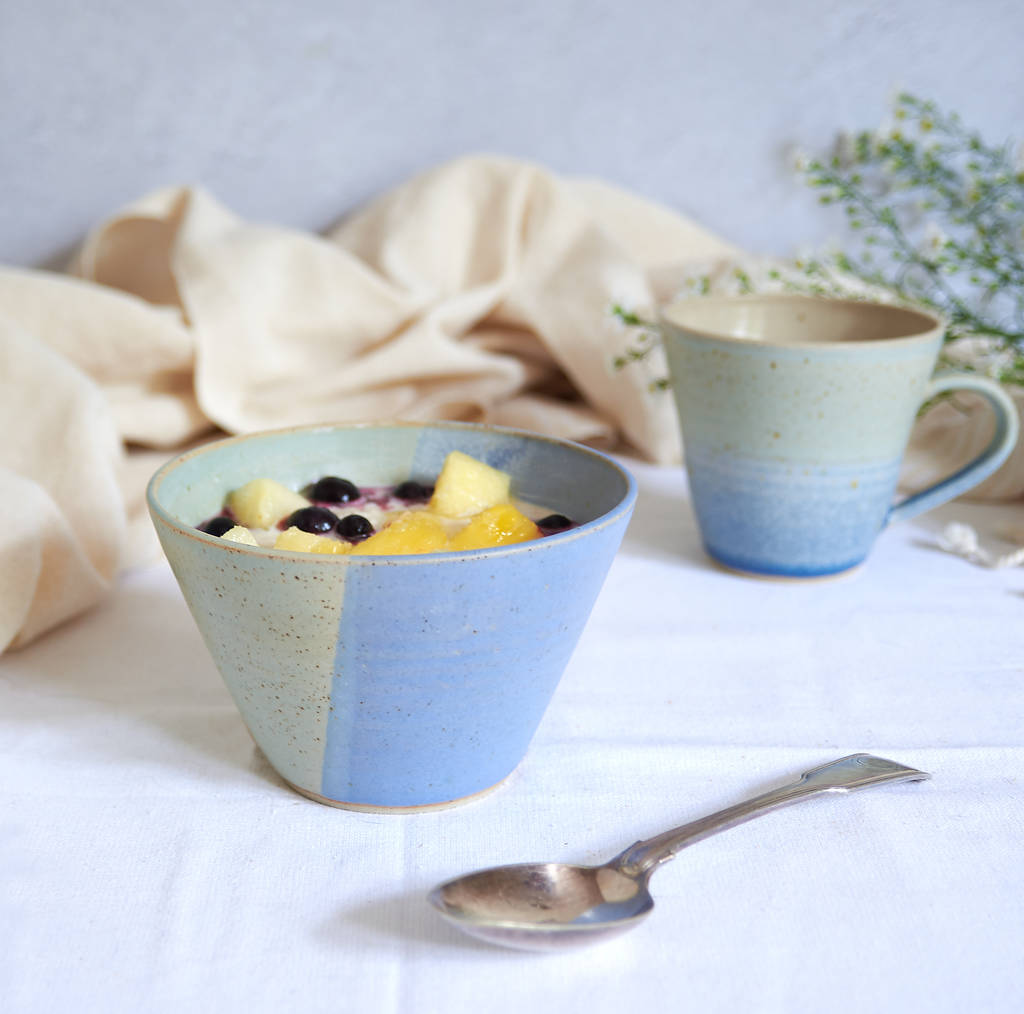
x: 478, y: 290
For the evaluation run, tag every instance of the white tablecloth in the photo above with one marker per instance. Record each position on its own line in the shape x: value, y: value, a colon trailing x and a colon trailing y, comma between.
x: 151, y: 861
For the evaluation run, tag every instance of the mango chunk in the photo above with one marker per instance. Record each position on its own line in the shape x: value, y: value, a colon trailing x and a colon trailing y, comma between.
x: 240, y: 534
x: 299, y: 541
x: 261, y: 503
x: 466, y: 486
x: 411, y: 532
x: 502, y: 525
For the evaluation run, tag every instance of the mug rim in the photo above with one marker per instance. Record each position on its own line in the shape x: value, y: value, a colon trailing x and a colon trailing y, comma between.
x: 159, y: 512
x: 930, y: 323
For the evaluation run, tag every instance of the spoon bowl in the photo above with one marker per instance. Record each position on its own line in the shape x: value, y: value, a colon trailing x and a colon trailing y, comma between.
x: 550, y: 906
x: 544, y: 905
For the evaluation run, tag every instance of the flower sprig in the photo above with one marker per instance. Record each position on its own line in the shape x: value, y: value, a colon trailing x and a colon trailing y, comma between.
x: 645, y: 341
x: 938, y: 220
x: 935, y: 218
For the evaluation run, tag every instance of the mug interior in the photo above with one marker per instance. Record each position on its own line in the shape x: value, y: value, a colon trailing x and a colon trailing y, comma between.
x: 798, y: 320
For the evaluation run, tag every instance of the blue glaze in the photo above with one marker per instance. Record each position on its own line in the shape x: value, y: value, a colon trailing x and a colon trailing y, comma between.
x: 807, y: 521
x: 444, y: 671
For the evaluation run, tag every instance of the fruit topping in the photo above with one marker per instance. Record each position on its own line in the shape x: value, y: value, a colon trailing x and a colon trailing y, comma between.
x: 502, y: 525
x: 299, y: 541
x: 412, y: 491
x: 467, y: 486
x: 311, y: 519
x: 261, y: 503
x: 240, y: 534
x: 554, y: 523
x: 218, y: 525
x: 354, y: 527
x: 411, y: 532
x: 469, y: 507
x: 331, y: 489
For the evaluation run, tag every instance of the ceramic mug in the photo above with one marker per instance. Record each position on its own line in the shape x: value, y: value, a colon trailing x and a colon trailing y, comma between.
x: 795, y: 414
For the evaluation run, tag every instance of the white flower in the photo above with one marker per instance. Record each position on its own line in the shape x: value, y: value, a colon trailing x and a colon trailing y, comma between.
x: 983, y: 354
x: 934, y: 240
x: 887, y: 130
x: 846, y: 148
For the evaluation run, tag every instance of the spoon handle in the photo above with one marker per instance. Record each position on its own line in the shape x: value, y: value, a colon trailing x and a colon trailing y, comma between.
x: 858, y: 771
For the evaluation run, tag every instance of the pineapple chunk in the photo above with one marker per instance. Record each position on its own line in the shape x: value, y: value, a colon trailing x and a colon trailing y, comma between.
x: 411, y: 532
x: 299, y: 541
x: 467, y: 486
x: 502, y: 525
x: 240, y: 534
x: 261, y: 503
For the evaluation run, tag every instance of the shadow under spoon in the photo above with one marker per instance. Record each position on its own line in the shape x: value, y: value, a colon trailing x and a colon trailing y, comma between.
x: 550, y: 906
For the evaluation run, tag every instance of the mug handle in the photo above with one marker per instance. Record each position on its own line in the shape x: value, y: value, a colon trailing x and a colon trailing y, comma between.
x: 997, y: 451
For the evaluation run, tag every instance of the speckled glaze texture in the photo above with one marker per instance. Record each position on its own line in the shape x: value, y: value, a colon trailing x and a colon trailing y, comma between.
x: 393, y: 682
x: 795, y: 415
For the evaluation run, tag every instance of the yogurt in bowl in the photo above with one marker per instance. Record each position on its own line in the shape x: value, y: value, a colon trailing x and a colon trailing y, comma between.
x: 470, y: 506
x: 393, y: 682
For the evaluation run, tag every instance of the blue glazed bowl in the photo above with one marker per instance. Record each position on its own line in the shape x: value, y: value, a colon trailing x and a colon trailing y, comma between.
x: 392, y: 682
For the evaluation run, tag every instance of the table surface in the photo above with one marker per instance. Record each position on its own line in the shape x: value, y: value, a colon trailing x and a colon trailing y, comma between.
x: 152, y: 861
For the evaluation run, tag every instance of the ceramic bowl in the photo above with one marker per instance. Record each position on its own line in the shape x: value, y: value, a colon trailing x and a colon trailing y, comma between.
x: 392, y: 682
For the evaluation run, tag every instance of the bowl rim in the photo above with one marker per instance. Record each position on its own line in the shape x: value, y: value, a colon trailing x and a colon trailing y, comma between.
x: 160, y: 515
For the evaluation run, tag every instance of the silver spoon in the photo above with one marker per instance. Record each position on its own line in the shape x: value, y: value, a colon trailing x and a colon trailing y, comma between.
x: 549, y: 906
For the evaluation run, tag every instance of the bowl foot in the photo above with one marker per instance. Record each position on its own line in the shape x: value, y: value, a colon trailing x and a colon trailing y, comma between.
x: 786, y: 578
x: 371, y: 808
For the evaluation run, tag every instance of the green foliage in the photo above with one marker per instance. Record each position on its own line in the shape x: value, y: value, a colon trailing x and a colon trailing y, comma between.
x: 935, y: 218
x: 645, y: 341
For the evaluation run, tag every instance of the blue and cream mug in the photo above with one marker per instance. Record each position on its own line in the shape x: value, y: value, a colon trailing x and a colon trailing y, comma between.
x: 795, y: 414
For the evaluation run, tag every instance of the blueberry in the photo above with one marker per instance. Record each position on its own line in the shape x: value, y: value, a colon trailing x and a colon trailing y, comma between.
x: 331, y: 489
x: 218, y: 525
x: 312, y: 519
x: 412, y: 490
x: 554, y: 522
x: 355, y: 528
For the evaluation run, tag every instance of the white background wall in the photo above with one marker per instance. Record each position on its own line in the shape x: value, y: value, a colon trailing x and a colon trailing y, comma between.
x: 294, y: 112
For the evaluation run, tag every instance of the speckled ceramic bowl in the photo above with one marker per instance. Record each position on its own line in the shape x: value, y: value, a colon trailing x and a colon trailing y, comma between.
x: 401, y: 682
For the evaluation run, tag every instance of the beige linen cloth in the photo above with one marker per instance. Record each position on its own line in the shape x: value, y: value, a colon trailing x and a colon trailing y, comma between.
x: 479, y: 290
